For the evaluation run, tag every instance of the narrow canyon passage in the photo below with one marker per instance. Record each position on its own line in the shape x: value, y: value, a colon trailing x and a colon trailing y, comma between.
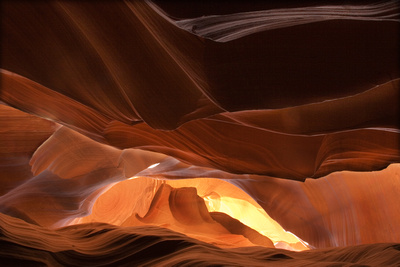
x: 167, y: 133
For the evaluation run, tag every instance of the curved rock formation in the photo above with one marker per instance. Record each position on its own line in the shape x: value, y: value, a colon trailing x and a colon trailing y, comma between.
x: 99, y: 244
x: 238, y: 125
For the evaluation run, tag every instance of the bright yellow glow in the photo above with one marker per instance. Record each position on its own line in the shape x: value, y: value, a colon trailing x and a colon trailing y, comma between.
x: 254, y: 217
x: 218, y: 196
x: 133, y: 196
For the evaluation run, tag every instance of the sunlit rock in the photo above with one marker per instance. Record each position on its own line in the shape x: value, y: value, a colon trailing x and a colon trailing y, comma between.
x: 161, y: 133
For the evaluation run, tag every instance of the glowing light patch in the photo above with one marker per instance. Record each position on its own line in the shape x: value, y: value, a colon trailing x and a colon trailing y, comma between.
x: 153, y: 165
x: 118, y: 204
x: 257, y: 219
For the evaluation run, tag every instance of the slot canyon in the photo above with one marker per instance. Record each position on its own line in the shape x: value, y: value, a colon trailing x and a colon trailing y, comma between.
x: 200, y: 133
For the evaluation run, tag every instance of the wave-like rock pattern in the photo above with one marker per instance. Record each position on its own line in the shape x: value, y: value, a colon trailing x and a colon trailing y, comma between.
x: 99, y: 244
x: 230, y: 27
x: 266, y: 98
x: 17, y: 144
x: 193, y: 76
x: 222, y: 145
x: 71, y: 171
x: 337, y: 210
x: 196, y: 78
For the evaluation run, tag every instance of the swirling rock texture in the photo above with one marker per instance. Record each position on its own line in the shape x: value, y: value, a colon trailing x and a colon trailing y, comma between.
x: 199, y: 133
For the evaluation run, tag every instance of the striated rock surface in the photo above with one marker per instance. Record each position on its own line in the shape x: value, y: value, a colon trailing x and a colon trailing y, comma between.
x: 98, y: 244
x: 161, y: 133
